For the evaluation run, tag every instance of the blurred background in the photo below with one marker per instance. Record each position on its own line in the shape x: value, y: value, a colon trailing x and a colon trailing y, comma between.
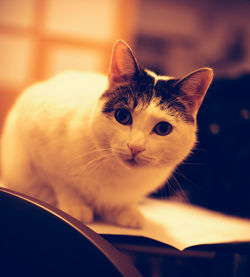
x: 39, y: 38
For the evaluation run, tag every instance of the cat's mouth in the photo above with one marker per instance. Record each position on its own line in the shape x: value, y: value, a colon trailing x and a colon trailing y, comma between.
x: 132, y: 162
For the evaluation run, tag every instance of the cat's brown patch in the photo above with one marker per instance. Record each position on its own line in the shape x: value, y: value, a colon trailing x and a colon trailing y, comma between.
x: 144, y: 88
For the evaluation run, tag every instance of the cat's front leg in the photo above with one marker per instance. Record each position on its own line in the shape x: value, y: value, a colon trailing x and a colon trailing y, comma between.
x: 71, y: 202
x: 124, y: 216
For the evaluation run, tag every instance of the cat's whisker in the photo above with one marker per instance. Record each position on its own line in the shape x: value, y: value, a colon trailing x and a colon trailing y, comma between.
x: 171, y: 183
x: 146, y: 161
x: 200, y: 149
x: 189, y: 163
x: 174, y: 186
x: 178, y: 172
x: 163, y: 189
x: 184, y: 195
x: 171, y: 186
x: 96, y: 160
x: 81, y: 156
x: 97, y: 150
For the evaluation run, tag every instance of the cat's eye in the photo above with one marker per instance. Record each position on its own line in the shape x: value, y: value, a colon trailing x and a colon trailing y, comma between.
x: 163, y: 128
x: 123, y: 116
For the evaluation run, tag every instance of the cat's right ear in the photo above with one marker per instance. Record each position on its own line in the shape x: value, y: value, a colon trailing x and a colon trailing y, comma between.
x: 194, y: 87
x: 123, y: 65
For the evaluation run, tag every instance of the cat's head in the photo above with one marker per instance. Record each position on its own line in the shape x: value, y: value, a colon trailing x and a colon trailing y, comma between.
x: 145, y: 119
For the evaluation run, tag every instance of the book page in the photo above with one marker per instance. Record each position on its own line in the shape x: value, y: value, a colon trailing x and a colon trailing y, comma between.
x: 182, y: 225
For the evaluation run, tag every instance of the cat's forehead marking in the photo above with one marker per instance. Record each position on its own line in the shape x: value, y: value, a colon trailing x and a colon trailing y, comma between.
x: 157, y: 77
x: 147, y: 88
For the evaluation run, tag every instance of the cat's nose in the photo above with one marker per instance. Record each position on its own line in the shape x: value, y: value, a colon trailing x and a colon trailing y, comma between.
x: 135, y: 149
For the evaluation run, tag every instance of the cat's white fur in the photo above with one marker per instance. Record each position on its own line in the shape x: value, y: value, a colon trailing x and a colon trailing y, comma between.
x: 58, y: 146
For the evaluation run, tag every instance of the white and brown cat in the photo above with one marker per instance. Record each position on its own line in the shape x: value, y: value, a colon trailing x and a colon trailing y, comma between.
x: 96, y: 145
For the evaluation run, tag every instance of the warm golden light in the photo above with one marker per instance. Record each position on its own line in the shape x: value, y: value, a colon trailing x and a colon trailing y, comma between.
x: 39, y: 39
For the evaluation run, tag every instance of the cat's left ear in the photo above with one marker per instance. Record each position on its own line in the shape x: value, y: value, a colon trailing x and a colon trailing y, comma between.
x: 194, y: 87
x: 123, y: 66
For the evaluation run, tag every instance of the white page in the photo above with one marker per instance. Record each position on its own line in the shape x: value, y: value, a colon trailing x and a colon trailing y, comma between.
x: 182, y: 225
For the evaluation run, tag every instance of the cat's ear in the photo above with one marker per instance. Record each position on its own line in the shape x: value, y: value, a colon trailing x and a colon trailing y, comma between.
x: 123, y: 65
x: 194, y: 87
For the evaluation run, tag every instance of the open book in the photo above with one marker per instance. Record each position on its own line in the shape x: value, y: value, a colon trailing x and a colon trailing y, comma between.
x: 183, y: 225
x: 179, y: 225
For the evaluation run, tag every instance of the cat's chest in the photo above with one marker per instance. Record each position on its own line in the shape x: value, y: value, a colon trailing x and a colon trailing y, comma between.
x: 110, y: 180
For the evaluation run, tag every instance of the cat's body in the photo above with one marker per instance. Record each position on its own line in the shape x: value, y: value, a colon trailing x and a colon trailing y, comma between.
x: 93, y: 145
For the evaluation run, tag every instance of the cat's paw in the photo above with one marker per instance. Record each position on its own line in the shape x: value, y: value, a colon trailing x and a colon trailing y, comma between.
x: 126, y: 217
x: 82, y: 212
x: 130, y: 218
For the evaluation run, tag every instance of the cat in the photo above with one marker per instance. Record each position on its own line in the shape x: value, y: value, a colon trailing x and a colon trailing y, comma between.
x: 96, y: 145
